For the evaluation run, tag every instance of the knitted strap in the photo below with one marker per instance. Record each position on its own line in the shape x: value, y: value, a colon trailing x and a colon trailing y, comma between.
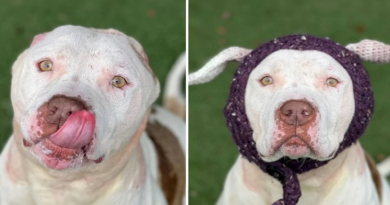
x: 217, y: 64
x: 290, y: 183
x: 370, y: 50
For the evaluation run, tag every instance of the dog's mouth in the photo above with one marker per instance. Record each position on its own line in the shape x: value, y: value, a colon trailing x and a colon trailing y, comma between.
x: 64, y: 130
x: 294, y: 146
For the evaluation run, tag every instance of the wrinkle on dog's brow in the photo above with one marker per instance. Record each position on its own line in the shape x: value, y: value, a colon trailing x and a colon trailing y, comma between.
x: 294, y: 85
x: 144, y: 59
x: 75, y: 79
x: 277, y: 67
x: 60, y: 56
x: 95, y: 54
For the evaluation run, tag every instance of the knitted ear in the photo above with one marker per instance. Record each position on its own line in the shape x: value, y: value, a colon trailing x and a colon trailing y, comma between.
x: 217, y: 64
x: 370, y: 50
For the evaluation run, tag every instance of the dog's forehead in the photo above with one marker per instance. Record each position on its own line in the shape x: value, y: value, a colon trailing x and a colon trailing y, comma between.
x: 80, y: 48
x: 294, y: 62
x: 85, y: 41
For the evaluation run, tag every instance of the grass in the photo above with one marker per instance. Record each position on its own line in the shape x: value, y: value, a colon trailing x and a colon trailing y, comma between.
x: 215, y: 25
x: 158, y: 25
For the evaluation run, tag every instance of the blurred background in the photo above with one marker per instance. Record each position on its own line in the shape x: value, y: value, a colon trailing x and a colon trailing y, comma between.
x: 218, y: 24
x: 158, y: 25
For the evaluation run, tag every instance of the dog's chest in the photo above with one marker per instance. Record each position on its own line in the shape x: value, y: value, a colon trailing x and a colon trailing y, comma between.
x: 45, y: 192
x: 37, y: 192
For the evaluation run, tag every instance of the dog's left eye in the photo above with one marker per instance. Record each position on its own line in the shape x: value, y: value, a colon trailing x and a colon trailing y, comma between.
x: 332, y: 82
x: 118, y: 81
x: 45, y: 65
x: 267, y: 80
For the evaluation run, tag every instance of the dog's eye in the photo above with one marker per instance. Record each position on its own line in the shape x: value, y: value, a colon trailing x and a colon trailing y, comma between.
x: 267, y: 80
x: 118, y: 81
x: 45, y: 65
x: 332, y: 82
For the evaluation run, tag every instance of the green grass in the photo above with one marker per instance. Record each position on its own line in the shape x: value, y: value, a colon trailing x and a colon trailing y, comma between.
x: 158, y: 25
x: 248, y: 24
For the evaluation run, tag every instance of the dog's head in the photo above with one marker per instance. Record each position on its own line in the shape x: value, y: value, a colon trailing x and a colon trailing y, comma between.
x: 79, y: 94
x: 299, y: 104
x: 297, y: 96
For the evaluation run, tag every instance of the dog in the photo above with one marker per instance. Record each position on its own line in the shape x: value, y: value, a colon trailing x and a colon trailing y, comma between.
x: 85, y: 130
x: 292, y: 100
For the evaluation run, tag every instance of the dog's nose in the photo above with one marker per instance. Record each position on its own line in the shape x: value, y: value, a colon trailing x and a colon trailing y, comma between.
x: 61, y: 108
x: 296, y: 112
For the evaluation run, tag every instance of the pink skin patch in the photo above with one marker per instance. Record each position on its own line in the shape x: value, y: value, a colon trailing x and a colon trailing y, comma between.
x: 295, y: 140
x: 56, y: 157
x: 8, y: 167
x: 295, y: 147
x: 38, y: 38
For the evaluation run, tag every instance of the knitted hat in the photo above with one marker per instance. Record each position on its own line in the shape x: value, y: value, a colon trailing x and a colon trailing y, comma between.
x: 285, y: 170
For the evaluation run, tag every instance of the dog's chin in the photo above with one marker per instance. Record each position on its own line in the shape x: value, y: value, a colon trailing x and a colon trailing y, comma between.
x: 61, y: 158
x: 294, y: 148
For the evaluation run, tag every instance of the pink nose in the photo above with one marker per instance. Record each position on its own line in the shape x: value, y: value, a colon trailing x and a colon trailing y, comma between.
x: 296, y: 112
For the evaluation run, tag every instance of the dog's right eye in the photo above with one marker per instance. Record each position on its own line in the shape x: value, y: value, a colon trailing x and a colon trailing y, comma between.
x: 45, y: 65
x: 332, y: 82
x: 267, y: 80
x: 118, y: 81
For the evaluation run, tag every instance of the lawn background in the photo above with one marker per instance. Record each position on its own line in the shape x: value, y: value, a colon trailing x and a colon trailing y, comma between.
x: 218, y: 24
x: 158, y: 25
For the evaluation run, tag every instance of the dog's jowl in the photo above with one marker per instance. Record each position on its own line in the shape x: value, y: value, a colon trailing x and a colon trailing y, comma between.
x: 297, y: 106
x: 82, y: 100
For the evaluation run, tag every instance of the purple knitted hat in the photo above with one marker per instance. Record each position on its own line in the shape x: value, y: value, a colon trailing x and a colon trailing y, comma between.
x: 285, y: 170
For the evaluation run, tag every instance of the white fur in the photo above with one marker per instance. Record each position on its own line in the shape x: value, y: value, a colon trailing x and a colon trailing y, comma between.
x: 384, y: 167
x: 85, y: 61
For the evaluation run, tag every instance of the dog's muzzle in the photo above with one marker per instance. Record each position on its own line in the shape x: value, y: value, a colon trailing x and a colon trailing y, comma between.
x: 63, y: 130
x: 296, y: 129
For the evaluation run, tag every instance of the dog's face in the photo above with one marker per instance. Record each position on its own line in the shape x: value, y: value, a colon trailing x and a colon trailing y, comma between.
x: 80, y: 94
x: 299, y: 104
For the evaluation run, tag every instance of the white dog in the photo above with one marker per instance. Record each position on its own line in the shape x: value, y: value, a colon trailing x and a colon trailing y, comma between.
x: 299, y: 104
x: 81, y: 99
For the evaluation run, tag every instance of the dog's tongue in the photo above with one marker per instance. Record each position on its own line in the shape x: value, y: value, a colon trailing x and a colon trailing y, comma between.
x: 76, y: 132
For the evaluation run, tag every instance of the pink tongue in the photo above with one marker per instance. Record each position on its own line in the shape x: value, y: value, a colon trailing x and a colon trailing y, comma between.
x: 76, y: 132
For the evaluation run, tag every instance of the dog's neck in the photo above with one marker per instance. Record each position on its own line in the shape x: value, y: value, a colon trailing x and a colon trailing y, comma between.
x: 96, y: 179
x: 346, y: 167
